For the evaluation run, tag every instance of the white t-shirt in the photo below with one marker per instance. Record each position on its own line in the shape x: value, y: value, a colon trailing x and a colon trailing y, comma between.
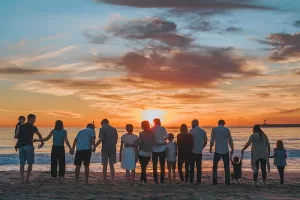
x: 171, y: 151
x: 160, y: 133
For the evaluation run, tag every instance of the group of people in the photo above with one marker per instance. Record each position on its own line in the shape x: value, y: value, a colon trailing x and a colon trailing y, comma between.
x: 153, y: 142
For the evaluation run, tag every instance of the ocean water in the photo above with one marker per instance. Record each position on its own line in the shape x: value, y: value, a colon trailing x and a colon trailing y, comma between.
x: 9, y: 158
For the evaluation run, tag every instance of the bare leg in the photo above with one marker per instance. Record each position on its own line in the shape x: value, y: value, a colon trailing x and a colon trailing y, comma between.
x: 132, y: 176
x: 128, y: 176
x: 77, y: 172
x: 29, y: 170
x: 169, y: 176
x: 169, y: 172
x: 87, y: 173
x: 174, y: 176
x: 104, y: 172
x: 22, y: 172
x: 112, y: 172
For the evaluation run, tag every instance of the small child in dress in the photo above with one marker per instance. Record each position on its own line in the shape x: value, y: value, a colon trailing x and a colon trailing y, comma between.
x: 21, y: 121
x: 171, y: 157
x: 237, y: 168
x: 280, y: 157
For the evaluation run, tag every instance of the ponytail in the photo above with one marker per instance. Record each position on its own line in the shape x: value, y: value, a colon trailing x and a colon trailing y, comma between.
x: 257, y: 129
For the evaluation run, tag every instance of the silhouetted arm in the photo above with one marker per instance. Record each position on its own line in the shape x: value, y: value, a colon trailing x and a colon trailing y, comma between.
x: 268, y: 145
x: 73, y: 147
x: 230, y: 141
x: 98, y: 143
x: 205, y: 141
x: 247, y: 144
x: 46, y: 138
x: 241, y: 160
x: 17, y: 132
x: 121, y: 149
x: 101, y: 136
x: 67, y: 141
x: 40, y: 138
x: 212, y: 140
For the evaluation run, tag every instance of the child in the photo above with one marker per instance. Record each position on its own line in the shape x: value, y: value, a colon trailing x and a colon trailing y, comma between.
x: 237, y: 168
x: 280, y: 157
x: 21, y: 121
x: 128, y: 154
x: 171, y: 156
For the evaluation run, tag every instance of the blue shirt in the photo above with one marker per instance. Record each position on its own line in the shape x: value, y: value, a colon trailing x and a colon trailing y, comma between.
x: 59, y: 137
x: 84, y: 139
x: 199, y: 136
x: 280, y: 157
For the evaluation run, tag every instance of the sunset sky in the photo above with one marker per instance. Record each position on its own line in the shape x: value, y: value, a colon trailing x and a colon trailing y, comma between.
x: 129, y: 60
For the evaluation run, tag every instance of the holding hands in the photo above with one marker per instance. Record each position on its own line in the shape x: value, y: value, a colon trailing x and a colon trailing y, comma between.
x: 94, y: 149
x: 71, y: 151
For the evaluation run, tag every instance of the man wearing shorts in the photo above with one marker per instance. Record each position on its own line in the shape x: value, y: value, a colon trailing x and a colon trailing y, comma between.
x: 26, y: 148
x: 108, y: 135
x: 84, y: 142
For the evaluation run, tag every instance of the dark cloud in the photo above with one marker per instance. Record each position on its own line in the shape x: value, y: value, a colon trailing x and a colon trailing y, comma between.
x: 201, y: 26
x: 149, y: 28
x: 263, y: 95
x: 297, y: 23
x: 193, y: 4
x: 289, y: 111
x: 8, y: 68
x: 20, y: 71
x: 182, y: 12
x: 198, y: 69
x: 286, y: 47
x: 278, y: 86
x: 95, y: 36
x: 233, y: 29
x: 78, y: 84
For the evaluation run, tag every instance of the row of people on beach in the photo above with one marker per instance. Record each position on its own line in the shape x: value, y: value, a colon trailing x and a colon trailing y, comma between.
x: 153, y: 143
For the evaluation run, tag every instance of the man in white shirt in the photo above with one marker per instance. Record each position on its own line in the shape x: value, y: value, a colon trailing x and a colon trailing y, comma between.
x: 221, y: 137
x: 200, y: 141
x: 159, y: 149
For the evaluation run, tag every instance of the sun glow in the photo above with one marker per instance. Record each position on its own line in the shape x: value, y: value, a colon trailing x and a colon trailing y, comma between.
x: 149, y: 115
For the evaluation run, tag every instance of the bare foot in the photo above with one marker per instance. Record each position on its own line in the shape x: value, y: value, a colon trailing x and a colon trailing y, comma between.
x: 28, y: 181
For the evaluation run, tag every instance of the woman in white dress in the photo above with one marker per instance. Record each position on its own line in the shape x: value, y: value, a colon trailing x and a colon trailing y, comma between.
x: 129, y: 143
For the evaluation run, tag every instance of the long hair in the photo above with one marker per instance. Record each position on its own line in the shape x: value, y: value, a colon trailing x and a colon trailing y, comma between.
x: 184, y: 128
x: 145, y: 125
x: 279, y: 145
x: 257, y: 129
x: 59, y: 125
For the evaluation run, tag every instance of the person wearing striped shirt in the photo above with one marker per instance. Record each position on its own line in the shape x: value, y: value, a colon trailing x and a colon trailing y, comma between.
x: 84, y: 142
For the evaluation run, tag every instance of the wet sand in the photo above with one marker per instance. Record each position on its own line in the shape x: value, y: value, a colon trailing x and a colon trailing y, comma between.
x: 43, y: 187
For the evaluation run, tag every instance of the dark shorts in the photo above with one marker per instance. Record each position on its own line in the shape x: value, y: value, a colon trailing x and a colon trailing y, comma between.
x: 110, y: 158
x: 171, y: 165
x: 26, y: 154
x: 83, y: 156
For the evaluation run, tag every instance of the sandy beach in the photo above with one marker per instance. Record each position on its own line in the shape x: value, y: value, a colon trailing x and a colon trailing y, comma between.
x: 43, y: 187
